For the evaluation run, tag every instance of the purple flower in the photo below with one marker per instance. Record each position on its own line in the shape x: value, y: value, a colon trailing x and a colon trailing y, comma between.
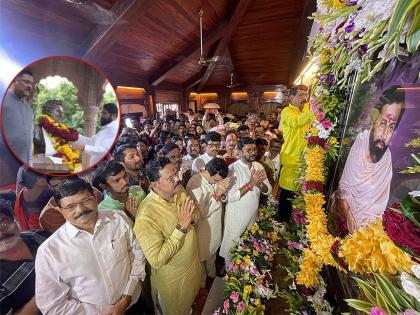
x: 377, y: 311
x: 240, y: 307
x: 226, y: 304
x: 320, y: 116
x: 234, y: 296
x: 362, y: 49
x: 350, y: 27
x: 351, y: 3
x: 331, y: 79
x: 298, y: 217
x: 293, y: 245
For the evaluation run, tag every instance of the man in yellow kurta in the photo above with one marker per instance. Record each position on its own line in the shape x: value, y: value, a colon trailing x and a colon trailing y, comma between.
x: 294, y: 120
x: 164, y: 228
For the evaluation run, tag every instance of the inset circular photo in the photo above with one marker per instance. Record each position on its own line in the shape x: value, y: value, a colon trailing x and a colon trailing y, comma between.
x: 60, y: 115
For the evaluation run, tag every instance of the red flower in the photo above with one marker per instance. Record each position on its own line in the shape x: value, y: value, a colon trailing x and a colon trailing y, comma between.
x: 316, y: 141
x: 313, y: 185
x: 335, y: 250
x: 402, y: 231
x: 68, y: 135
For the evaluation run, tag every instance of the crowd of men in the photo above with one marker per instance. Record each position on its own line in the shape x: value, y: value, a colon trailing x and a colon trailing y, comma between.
x: 149, y: 222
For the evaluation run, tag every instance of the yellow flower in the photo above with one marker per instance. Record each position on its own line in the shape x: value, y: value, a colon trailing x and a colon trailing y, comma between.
x: 248, y: 289
x: 324, y: 60
x: 257, y: 302
x: 260, y: 232
x: 256, y: 253
x: 238, y: 261
x: 332, y: 140
x: 309, y: 269
x: 254, y: 228
x: 247, y: 260
x: 315, y: 161
x: 314, y: 131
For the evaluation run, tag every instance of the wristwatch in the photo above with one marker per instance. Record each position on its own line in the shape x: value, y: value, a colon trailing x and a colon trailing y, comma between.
x: 179, y: 228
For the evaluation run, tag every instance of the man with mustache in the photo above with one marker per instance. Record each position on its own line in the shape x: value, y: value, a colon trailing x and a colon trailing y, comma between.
x: 112, y: 178
x: 132, y: 160
x: 98, y: 145
x: 93, y: 263
x: 294, y: 120
x: 249, y: 180
x: 18, y: 116
x: 166, y: 232
x: 213, y: 140
x: 363, y: 191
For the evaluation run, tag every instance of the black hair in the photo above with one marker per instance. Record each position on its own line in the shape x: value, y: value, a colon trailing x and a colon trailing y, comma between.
x: 243, y: 141
x: 6, y: 208
x: 295, y: 88
x: 217, y: 166
x: 175, y: 139
x: 276, y: 140
x: 111, y: 108
x: 29, y: 177
x: 213, y: 136
x: 126, y: 140
x: 261, y: 141
x: 25, y: 71
x: 70, y: 187
x: 119, y: 151
x: 393, y: 94
x: 109, y: 168
x: 154, y: 166
x: 168, y: 148
x: 50, y: 105
x: 242, y: 128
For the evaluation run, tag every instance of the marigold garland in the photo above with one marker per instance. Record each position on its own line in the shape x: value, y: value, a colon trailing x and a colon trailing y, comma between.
x: 315, y: 164
x: 60, y: 134
x: 310, y: 268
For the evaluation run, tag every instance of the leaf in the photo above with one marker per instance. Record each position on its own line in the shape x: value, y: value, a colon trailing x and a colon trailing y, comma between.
x: 389, y: 291
x: 413, y: 34
x: 360, y: 305
x: 368, y: 290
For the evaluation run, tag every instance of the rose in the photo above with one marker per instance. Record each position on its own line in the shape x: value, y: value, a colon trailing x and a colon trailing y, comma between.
x: 234, y: 296
x: 326, y: 124
x: 226, y: 304
x: 402, y: 231
x: 240, y: 307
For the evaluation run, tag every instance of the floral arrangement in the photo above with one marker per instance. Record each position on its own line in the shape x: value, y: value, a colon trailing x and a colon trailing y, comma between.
x: 362, y: 36
x: 248, y: 280
x: 60, y: 135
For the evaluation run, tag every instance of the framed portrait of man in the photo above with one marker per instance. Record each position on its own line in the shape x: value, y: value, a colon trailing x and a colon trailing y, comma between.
x: 377, y: 163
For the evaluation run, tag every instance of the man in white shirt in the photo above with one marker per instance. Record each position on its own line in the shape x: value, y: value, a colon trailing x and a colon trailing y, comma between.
x: 193, y: 148
x: 250, y: 180
x: 208, y: 188
x: 93, y: 263
x: 98, y: 145
x: 213, y: 140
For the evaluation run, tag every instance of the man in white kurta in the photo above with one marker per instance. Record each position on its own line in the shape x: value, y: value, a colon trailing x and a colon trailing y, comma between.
x: 208, y: 188
x: 213, y: 140
x: 98, y: 145
x: 364, y: 186
x: 249, y: 180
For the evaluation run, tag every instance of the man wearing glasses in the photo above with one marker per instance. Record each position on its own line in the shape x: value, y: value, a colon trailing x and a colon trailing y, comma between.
x: 17, y: 116
x: 165, y: 229
x: 93, y: 263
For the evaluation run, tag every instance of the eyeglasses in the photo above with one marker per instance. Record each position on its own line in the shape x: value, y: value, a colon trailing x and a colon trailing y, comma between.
x: 73, y: 206
x: 174, y: 178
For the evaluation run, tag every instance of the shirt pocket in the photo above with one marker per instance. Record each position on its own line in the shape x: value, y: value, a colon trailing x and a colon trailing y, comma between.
x: 116, y: 251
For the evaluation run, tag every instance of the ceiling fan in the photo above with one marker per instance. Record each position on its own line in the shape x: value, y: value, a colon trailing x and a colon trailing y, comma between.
x: 93, y: 11
x: 202, y: 61
x: 232, y: 83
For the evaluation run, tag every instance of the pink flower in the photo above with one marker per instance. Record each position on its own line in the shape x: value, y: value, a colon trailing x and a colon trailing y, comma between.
x: 240, y: 307
x: 243, y: 266
x: 231, y: 264
x: 234, y: 296
x: 410, y: 312
x: 226, y: 304
x: 293, y: 245
x: 326, y: 124
x: 377, y: 311
x: 320, y: 115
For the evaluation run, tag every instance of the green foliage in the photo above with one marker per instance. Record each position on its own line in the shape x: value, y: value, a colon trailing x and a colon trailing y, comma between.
x: 67, y: 93
x: 384, y: 293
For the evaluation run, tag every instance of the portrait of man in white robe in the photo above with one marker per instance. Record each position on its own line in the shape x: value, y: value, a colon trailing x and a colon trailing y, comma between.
x: 364, y: 187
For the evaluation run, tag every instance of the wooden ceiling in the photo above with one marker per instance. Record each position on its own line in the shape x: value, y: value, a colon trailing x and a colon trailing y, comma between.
x: 155, y: 43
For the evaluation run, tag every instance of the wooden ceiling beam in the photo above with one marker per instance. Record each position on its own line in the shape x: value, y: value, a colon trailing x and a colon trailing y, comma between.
x: 103, y: 36
x: 194, y: 80
x: 236, y: 18
x: 189, y: 54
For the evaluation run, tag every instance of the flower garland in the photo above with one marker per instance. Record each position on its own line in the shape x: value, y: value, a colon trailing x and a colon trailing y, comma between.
x: 248, y: 280
x: 60, y: 134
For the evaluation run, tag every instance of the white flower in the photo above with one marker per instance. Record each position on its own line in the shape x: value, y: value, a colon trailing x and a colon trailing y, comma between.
x: 416, y: 271
x: 410, y: 285
x: 415, y: 193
